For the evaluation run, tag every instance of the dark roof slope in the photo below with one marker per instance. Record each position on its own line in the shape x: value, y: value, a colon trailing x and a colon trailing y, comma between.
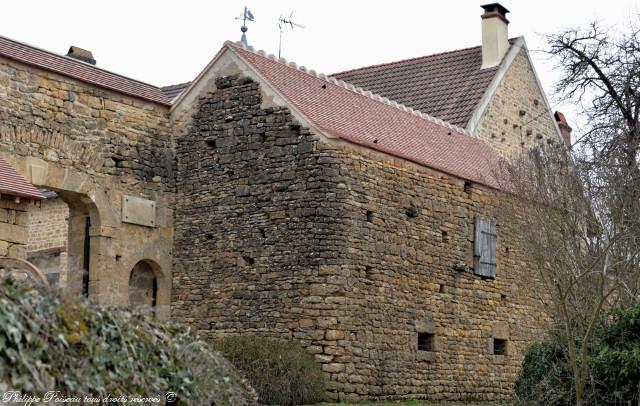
x: 363, y: 119
x: 82, y: 71
x: 173, y: 91
x: 13, y: 184
x: 448, y: 85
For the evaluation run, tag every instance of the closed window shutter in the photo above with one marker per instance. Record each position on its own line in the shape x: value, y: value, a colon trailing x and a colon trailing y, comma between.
x: 484, y: 247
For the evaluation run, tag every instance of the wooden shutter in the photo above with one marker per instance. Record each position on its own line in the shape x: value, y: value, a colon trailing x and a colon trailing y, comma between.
x: 484, y: 248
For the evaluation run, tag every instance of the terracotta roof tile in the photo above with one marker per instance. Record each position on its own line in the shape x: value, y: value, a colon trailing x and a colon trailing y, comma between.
x: 12, y: 183
x: 362, y: 119
x: 448, y: 85
x: 76, y: 69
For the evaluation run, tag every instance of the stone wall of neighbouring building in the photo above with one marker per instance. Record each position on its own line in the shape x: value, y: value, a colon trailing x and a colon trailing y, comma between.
x: 516, y: 118
x: 95, y: 148
x: 355, y: 255
x: 13, y: 227
x: 47, y: 230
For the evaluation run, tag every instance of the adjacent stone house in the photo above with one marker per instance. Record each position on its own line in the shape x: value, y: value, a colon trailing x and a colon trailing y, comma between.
x: 16, y: 197
x: 356, y: 213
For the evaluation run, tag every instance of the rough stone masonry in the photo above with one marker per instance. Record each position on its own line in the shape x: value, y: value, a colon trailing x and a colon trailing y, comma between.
x: 363, y: 259
x: 223, y: 211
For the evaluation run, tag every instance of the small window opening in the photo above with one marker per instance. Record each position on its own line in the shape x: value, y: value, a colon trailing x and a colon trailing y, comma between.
x: 369, y: 216
x: 426, y: 341
x: 442, y: 289
x: 248, y: 260
x: 368, y: 271
x: 503, y: 297
x: 467, y: 187
x: 445, y: 236
x: 499, y: 346
x: 263, y: 233
x: 411, y: 211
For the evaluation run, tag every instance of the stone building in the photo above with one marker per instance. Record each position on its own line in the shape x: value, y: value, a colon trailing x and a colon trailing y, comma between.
x: 356, y: 214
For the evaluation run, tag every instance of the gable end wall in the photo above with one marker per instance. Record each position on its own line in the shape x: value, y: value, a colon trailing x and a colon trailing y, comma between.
x: 516, y: 118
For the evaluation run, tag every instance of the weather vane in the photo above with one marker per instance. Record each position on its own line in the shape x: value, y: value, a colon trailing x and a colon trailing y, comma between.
x: 246, y: 16
x: 282, y: 25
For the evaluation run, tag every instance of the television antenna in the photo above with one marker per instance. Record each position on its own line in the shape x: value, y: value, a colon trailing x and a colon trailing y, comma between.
x: 283, y: 23
x: 246, y: 16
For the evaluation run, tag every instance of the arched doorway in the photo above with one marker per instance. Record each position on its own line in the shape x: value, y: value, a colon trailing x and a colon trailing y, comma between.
x: 143, y: 286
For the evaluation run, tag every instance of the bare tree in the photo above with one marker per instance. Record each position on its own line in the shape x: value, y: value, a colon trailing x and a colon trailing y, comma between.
x: 585, y: 261
x: 582, y: 205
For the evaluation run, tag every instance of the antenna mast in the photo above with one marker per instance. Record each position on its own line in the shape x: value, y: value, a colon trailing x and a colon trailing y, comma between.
x: 246, y: 16
x: 282, y: 25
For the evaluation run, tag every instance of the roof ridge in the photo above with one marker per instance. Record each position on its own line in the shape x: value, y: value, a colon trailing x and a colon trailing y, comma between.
x: 74, y: 60
x: 405, y: 60
x: 352, y: 88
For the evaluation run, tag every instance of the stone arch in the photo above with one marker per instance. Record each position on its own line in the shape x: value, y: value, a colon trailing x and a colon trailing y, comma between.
x: 92, y: 223
x: 143, y: 285
x: 143, y: 272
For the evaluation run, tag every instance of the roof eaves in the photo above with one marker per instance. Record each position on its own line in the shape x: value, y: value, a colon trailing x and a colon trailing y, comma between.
x: 88, y: 65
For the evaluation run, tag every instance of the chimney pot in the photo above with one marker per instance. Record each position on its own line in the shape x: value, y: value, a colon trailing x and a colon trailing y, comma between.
x: 565, y: 129
x: 495, y: 37
x: 81, y: 55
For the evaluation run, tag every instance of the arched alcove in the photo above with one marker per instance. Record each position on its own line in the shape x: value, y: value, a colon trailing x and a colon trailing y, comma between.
x: 143, y: 285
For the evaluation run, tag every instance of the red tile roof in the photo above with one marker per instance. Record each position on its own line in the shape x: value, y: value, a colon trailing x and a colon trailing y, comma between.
x: 448, y: 85
x: 12, y: 183
x: 361, y: 119
x: 82, y: 71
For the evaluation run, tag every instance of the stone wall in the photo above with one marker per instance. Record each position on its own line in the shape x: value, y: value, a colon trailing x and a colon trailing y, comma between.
x: 348, y: 252
x: 255, y: 219
x: 94, y: 148
x: 84, y: 127
x: 48, y: 225
x: 409, y: 271
x: 516, y: 118
x: 47, y: 229
x: 13, y: 227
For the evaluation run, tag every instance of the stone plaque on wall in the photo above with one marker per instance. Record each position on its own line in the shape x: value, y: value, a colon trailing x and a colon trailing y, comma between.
x: 136, y: 210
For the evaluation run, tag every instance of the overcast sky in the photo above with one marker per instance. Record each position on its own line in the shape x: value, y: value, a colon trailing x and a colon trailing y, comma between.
x: 167, y: 42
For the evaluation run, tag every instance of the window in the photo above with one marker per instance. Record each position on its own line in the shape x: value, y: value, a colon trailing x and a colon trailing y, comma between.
x: 484, y: 248
x: 426, y: 341
x: 499, y: 347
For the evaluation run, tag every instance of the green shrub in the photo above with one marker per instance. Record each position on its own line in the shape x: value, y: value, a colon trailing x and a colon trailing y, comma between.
x: 614, y: 366
x: 281, y: 372
x: 65, y: 343
x: 615, y: 363
x: 545, y: 378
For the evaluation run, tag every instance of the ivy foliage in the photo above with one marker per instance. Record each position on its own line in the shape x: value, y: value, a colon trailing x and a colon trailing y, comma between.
x: 51, y: 341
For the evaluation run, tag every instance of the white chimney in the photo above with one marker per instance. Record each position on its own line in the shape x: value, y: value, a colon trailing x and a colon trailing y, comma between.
x: 495, y: 38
